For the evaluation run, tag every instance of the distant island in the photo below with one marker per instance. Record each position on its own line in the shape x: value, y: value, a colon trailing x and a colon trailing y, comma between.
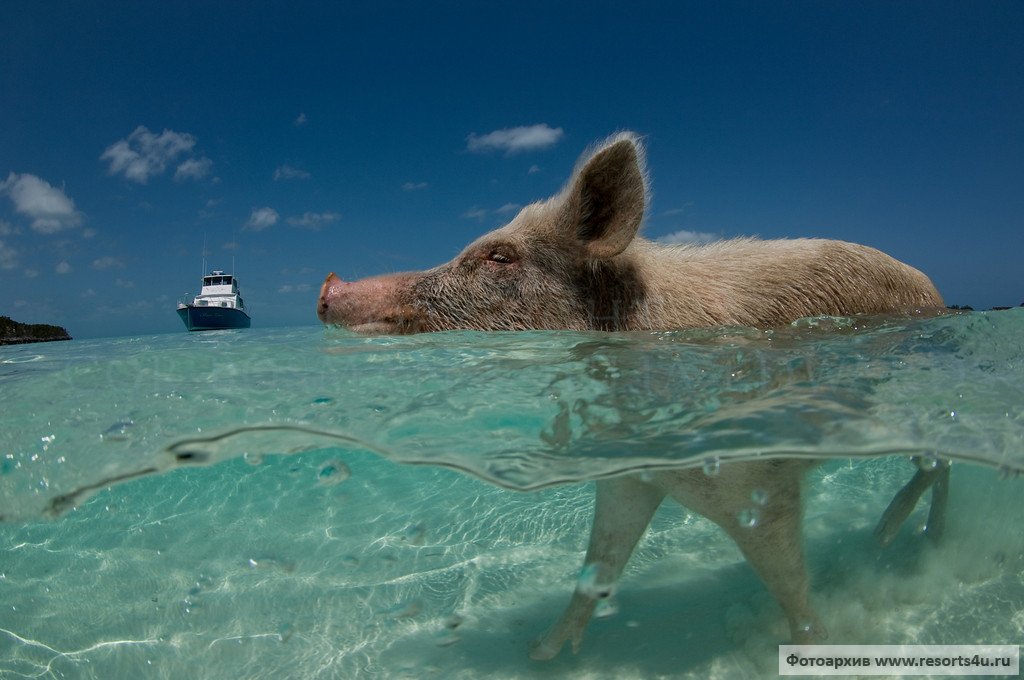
x: 968, y: 308
x: 15, y: 333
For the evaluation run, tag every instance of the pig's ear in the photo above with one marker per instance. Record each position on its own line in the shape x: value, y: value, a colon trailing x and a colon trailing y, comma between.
x: 604, y: 202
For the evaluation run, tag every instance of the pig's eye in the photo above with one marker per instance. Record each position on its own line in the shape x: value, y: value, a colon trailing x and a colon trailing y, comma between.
x: 500, y: 257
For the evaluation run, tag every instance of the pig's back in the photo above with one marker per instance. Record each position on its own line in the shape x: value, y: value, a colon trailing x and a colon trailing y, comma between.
x: 758, y: 283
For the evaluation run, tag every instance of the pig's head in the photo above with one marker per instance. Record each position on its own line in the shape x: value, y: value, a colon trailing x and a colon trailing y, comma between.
x: 558, y: 265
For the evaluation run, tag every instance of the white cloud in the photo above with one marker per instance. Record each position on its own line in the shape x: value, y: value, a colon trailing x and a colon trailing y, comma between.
x: 144, y: 154
x: 49, y: 208
x: 193, y: 168
x: 534, y: 169
x: 88, y: 232
x: 121, y: 283
x: 63, y: 267
x: 107, y: 263
x: 513, y: 140
x: 478, y: 213
x: 296, y: 288
x: 314, y: 221
x: 88, y: 293
x: 414, y: 186
x: 684, y: 236
x: 7, y: 229
x: 262, y: 218
x: 301, y: 120
x: 290, y: 172
x: 8, y: 256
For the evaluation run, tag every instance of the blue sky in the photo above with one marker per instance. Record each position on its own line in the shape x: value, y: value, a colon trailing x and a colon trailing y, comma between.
x: 370, y: 137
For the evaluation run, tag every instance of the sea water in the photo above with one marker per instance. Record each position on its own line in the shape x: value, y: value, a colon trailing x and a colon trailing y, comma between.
x: 308, y: 503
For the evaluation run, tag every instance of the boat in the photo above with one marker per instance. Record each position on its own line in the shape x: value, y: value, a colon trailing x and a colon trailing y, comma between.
x: 219, y: 305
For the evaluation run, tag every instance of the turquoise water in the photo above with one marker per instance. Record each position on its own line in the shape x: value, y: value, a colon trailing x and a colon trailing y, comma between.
x: 234, y: 504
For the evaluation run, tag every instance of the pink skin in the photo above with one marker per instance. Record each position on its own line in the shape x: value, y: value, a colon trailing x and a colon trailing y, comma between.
x: 366, y: 306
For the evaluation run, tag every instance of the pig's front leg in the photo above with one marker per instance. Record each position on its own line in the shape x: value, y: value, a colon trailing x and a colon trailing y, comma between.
x: 622, y: 511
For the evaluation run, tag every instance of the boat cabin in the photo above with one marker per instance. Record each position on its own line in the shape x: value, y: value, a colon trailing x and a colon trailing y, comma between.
x: 220, y: 280
x: 219, y: 290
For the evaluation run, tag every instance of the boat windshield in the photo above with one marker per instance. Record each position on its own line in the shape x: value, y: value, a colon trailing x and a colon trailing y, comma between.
x: 217, y: 280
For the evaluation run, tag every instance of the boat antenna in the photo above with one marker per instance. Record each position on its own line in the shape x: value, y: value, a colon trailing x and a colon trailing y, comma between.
x: 204, y: 255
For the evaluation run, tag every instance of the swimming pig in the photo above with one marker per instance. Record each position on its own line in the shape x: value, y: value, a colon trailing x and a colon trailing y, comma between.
x: 575, y: 262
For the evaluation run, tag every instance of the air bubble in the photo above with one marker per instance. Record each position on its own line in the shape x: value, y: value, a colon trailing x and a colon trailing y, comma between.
x: 712, y: 466
x: 593, y: 582
x: 605, y: 608
x: 927, y: 463
x: 759, y: 496
x: 252, y: 458
x: 332, y: 472
x: 749, y: 518
x: 271, y: 563
x: 202, y: 584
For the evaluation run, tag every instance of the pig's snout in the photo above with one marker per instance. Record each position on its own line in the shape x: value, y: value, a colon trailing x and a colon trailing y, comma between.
x: 327, y: 291
x: 371, y: 305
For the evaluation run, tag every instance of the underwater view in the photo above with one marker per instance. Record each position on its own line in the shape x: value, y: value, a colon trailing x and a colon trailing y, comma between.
x: 310, y: 503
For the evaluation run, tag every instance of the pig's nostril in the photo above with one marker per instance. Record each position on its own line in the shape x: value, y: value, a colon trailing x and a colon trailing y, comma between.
x: 325, y: 288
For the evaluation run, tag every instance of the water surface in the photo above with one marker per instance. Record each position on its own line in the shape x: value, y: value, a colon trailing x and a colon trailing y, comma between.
x: 154, y: 526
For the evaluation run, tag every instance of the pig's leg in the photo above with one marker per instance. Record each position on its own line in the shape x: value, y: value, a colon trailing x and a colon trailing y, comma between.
x: 940, y: 497
x: 905, y: 500
x: 622, y: 511
x: 758, y: 505
x: 773, y: 547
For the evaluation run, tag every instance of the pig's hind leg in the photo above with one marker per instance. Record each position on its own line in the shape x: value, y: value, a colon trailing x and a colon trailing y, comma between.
x: 758, y: 505
x: 622, y: 511
x: 906, y: 499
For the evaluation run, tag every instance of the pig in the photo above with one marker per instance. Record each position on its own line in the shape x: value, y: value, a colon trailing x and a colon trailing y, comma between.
x: 576, y: 262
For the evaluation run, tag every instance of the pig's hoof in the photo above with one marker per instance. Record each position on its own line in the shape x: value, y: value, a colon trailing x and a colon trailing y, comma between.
x: 545, y: 650
x: 551, y: 644
x: 886, y: 531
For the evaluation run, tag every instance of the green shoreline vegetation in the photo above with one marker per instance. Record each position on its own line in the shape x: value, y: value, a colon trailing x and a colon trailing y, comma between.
x: 15, y: 333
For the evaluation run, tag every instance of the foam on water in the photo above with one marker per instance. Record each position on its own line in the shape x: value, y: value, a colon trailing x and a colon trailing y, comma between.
x: 336, y: 562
